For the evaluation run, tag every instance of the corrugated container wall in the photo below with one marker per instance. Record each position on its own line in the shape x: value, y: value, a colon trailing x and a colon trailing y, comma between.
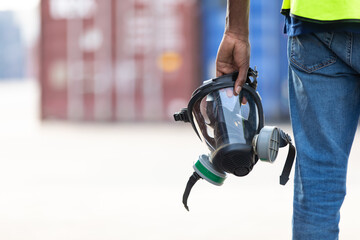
x: 117, y: 59
x: 268, y: 53
x: 213, y: 14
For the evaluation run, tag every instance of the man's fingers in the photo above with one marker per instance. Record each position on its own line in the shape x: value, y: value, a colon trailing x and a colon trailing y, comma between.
x: 240, y: 81
x: 224, y: 68
x: 219, y: 73
x: 237, y: 89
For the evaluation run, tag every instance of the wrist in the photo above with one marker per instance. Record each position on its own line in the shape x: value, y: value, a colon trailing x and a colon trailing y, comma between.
x: 238, y: 35
x: 237, y: 19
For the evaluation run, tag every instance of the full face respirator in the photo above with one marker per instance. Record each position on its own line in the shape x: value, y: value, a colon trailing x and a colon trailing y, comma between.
x: 233, y: 129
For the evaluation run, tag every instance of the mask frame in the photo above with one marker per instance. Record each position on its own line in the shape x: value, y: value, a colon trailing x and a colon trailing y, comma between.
x: 224, y: 81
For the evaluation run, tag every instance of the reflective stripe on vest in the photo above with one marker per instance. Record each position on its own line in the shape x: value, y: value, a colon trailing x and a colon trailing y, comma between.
x: 323, y: 10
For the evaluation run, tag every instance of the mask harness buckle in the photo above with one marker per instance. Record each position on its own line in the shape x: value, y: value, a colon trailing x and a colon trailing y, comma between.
x: 253, y: 74
x: 182, y: 115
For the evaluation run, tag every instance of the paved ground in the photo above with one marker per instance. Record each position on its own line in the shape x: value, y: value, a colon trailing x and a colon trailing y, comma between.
x: 125, y: 181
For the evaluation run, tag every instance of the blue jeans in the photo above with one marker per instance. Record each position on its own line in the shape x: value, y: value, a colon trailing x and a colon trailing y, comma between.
x: 324, y: 92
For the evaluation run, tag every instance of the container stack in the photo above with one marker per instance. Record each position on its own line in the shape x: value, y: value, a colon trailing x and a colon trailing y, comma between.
x: 109, y: 60
x: 268, y: 53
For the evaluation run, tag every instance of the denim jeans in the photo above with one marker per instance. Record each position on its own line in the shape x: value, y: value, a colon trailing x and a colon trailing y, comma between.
x: 324, y: 93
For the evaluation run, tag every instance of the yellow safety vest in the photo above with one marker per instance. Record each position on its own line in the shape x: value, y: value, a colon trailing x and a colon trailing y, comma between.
x: 323, y: 11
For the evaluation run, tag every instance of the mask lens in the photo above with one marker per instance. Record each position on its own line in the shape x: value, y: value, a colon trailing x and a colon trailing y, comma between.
x: 222, y: 118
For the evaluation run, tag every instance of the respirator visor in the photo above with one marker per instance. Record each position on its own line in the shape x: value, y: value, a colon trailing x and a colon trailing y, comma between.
x: 221, y: 118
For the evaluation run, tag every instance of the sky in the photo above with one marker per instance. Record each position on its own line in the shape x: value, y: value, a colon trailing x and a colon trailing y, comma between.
x: 18, y: 5
x: 27, y: 15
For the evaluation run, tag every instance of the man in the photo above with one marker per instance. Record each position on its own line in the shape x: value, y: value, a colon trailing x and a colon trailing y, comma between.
x: 324, y: 93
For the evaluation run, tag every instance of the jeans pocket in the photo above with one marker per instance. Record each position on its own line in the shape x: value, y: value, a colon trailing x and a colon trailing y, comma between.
x: 311, y: 52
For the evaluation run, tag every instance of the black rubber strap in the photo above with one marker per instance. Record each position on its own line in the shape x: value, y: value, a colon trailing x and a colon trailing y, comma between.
x: 192, y: 180
x: 288, y: 164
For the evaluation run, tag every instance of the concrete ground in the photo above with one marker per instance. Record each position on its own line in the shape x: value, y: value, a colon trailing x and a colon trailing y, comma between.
x: 125, y: 181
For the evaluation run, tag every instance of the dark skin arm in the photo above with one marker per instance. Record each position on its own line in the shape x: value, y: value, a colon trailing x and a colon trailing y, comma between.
x: 234, y: 50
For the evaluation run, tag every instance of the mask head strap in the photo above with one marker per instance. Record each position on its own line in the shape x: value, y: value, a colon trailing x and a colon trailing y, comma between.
x: 285, y: 140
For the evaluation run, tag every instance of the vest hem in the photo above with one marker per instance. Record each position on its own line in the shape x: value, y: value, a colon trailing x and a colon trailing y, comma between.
x: 287, y: 12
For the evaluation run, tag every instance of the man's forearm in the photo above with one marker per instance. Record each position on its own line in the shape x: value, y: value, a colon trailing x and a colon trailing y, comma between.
x: 237, y: 18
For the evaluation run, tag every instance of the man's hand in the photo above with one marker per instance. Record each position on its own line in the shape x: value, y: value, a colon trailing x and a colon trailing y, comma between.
x: 234, y: 55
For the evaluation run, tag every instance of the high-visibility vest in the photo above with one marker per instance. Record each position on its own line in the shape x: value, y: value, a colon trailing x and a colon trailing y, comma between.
x: 323, y: 11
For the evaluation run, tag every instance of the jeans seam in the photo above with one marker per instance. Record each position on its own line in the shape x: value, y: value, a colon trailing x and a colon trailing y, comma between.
x: 349, y: 48
x: 330, y: 40
x: 292, y: 47
x: 319, y: 66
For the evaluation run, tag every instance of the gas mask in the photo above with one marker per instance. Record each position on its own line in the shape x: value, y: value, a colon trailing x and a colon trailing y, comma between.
x: 233, y: 129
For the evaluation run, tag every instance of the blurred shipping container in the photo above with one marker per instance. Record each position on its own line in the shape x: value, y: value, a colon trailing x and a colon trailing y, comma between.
x: 268, y: 50
x: 12, y: 48
x: 213, y: 13
x: 117, y: 59
x: 268, y: 53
